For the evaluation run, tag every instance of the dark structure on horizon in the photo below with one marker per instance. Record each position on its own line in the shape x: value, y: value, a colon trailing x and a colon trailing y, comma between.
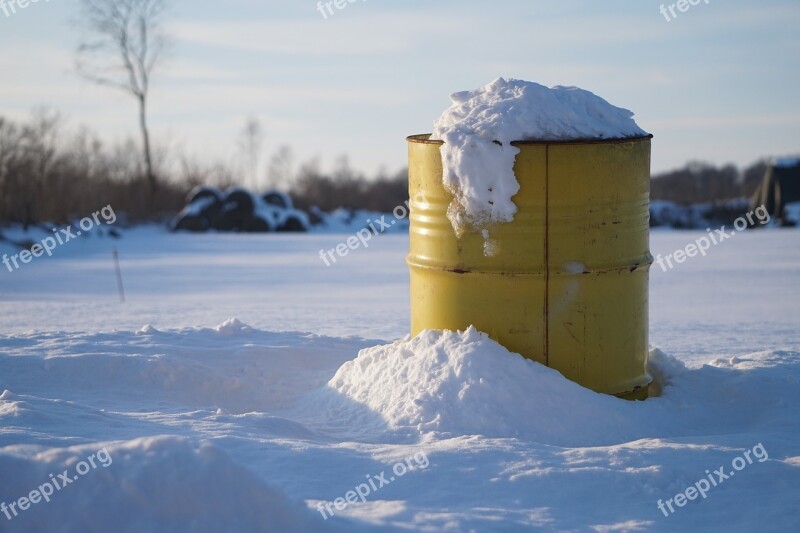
x: 780, y: 186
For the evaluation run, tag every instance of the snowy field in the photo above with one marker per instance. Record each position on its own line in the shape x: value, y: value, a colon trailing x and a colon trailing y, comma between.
x: 222, y: 396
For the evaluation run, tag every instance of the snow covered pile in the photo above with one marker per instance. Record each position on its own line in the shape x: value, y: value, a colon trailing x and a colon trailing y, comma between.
x: 478, y: 128
x: 792, y: 212
x: 464, y: 383
x: 239, y: 210
x: 345, y: 220
x: 666, y: 214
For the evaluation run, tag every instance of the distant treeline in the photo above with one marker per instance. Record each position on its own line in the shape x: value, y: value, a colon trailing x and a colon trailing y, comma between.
x: 49, y: 174
x: 46, y: 176
x: 703, y: 183
x: 347, y: 188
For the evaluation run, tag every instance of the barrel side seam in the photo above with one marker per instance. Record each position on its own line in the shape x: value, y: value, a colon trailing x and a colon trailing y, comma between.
x: 547, y: 255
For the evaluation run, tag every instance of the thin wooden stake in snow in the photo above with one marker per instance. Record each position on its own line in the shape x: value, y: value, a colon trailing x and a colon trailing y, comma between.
x: 119, y: 276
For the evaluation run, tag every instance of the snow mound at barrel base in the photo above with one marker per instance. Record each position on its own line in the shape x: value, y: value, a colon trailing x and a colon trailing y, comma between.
x: 464, y: 383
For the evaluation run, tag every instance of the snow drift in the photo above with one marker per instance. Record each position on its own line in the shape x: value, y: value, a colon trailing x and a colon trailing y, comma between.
x: 442, y: 384
x: 151, y: 484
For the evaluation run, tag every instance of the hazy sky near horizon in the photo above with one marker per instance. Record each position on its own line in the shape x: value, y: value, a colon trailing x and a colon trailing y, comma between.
x: 719, y: 83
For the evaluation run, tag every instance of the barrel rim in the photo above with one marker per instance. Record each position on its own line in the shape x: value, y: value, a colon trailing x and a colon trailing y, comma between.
x: 424, y: 138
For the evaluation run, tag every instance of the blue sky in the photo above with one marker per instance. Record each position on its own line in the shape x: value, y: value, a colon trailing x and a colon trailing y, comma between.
x: 718, y: 83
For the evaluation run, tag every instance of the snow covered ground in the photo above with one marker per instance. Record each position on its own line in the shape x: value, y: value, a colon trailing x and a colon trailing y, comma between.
x: 228, y: 394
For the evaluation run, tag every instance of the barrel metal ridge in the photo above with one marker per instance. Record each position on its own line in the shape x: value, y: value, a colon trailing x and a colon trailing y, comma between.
x: 425, y: 139
x: 426, y: 262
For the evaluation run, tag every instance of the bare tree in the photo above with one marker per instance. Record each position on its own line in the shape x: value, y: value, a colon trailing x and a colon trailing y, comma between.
x: 40, y: 142
x: 126, y: 43
x: 11, y: 152
x: 280, y: 172
x: 250, y: 142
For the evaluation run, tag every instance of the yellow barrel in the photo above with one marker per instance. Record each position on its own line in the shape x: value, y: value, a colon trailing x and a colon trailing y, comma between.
x: 567, y: 285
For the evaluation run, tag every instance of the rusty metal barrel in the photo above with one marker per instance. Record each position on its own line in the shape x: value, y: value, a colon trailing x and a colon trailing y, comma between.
x: 567, y: 282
